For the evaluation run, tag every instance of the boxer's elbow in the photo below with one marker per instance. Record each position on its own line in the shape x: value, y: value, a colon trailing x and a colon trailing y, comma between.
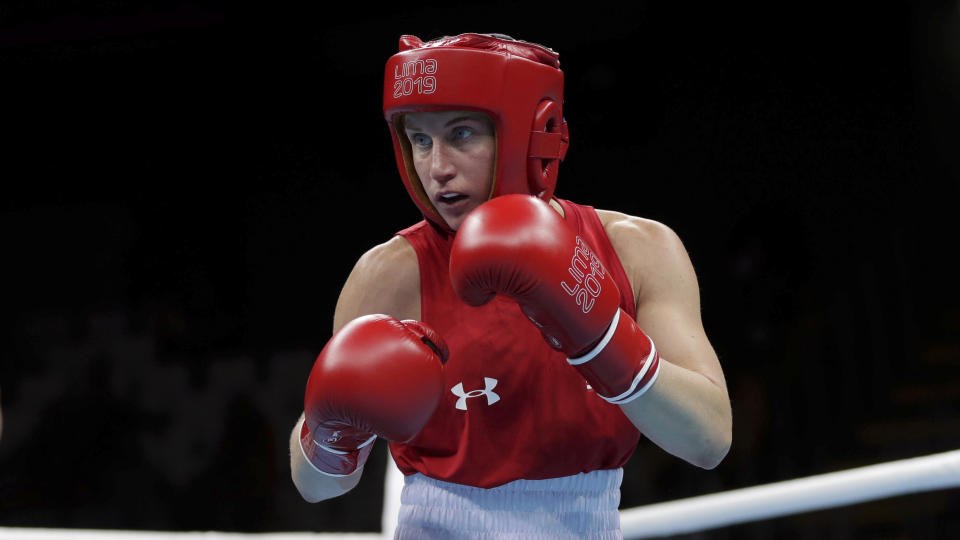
x: 713, y: 449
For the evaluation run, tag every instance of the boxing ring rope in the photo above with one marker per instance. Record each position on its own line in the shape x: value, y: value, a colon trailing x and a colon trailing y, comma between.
x: 831, y: 490
x: 914, y: 475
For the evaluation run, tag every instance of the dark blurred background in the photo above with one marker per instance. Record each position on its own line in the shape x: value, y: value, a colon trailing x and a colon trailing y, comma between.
x: 187, y: 184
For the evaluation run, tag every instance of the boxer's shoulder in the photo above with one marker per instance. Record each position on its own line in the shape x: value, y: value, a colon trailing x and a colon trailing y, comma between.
x: 648, y: 249
x: 386, y: 279
x: 394, y: 255
x: 630, y: 234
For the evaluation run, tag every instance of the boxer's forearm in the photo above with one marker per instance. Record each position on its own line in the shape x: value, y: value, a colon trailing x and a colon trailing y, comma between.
x: 686, y: 414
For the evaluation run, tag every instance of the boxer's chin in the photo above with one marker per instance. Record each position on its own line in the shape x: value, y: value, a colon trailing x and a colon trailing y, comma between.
x: 454, y: 223
x: 454, y: 215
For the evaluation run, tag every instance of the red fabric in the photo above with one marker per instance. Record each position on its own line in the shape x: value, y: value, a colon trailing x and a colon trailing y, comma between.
x: 525, y: 413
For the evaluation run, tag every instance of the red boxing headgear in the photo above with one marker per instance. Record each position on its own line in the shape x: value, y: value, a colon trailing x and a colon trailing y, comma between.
x: 518, y: 84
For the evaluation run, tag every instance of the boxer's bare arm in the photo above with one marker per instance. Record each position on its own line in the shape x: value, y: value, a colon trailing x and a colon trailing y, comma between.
x: 385, y: 280
x: 687, y: 411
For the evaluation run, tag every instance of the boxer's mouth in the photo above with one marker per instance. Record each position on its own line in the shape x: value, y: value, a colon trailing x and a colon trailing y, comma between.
x: 451, y: 197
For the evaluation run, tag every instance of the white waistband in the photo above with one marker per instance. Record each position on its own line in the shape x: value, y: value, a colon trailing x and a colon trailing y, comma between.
x: 580, y: 506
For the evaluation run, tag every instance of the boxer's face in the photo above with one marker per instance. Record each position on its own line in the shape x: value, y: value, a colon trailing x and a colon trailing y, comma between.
x: 454, y: 153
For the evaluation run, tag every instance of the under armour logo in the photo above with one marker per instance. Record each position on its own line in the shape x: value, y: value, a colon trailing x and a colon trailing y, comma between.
x: 489, y: 384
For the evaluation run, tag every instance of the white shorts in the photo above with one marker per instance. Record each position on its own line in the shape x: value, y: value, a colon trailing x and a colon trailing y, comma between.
x: 584, y: 506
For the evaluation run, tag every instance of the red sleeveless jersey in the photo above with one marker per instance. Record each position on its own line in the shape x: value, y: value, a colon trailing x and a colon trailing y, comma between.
x: 513, y: 408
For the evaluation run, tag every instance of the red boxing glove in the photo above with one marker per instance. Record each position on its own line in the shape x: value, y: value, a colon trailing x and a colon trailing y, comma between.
x: 376, y: 376
x: 517, y: 245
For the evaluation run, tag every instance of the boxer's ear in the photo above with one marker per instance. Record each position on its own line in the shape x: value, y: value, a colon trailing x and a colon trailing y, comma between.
x: 549, y: 139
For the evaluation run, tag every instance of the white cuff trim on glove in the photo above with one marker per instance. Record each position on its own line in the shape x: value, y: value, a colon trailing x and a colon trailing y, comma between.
x: 603, y: 343
x: 634, y: 392
x: 341, y: 452
x: 332, y: 451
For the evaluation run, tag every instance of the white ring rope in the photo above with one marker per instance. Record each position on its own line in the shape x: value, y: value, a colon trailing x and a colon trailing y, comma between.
x: 927, y: 473
x: 937, y: 471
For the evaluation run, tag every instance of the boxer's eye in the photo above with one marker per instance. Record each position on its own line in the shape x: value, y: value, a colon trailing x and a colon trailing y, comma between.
x: 420, y: 140
x: 462, y: 133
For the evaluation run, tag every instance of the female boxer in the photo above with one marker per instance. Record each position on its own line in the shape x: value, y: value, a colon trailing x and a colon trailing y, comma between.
x: 512, y: 346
